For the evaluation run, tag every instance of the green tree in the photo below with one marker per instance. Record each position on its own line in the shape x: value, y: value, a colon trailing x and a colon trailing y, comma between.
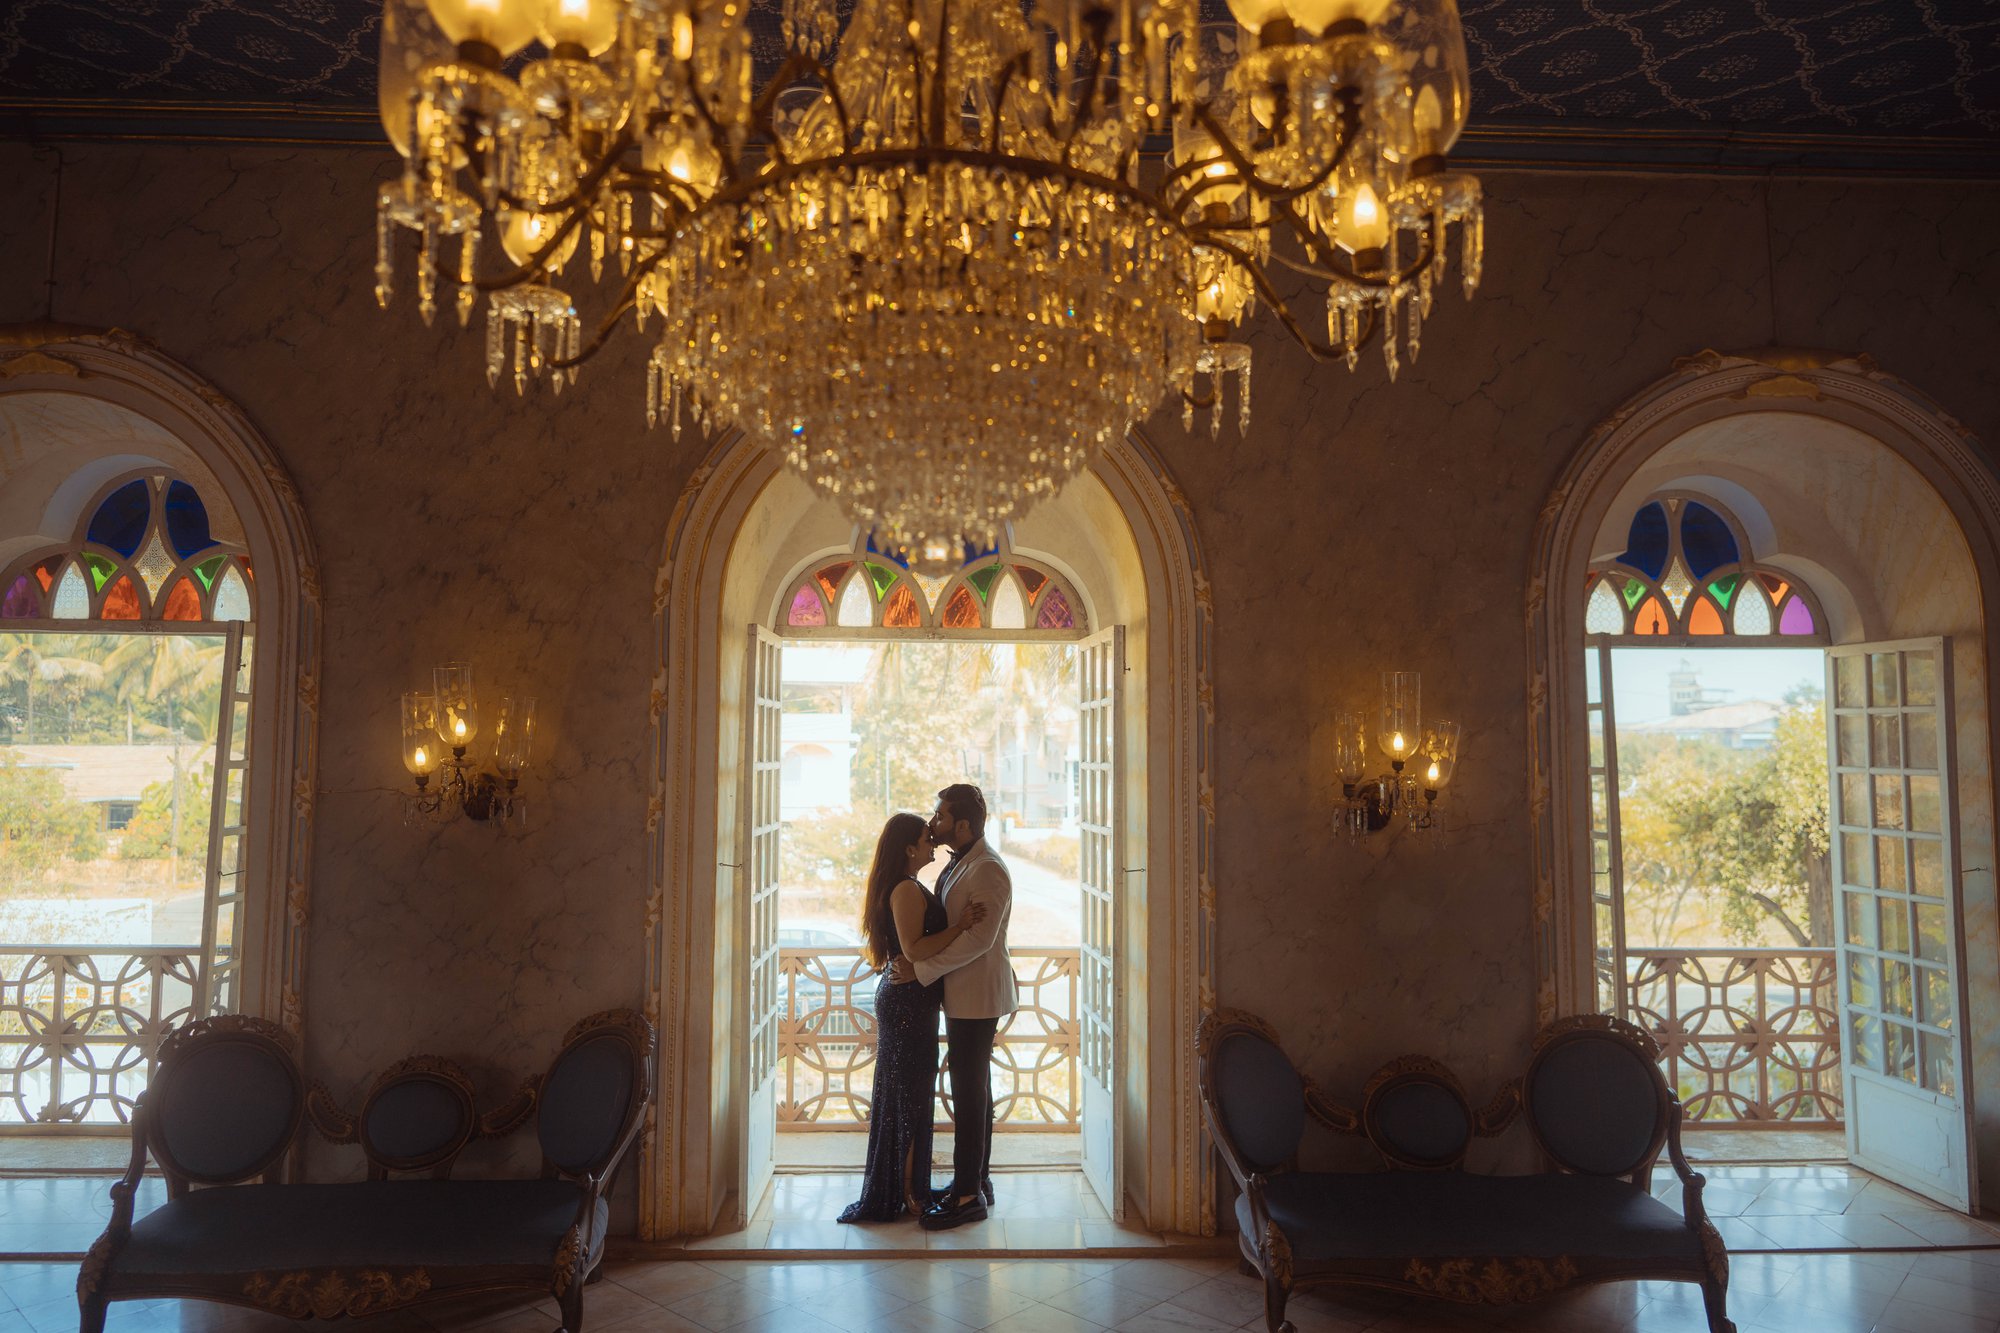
x: 185, y: 673
x: 50, y: 666
x: 170, y: 825
x: 40, y: 825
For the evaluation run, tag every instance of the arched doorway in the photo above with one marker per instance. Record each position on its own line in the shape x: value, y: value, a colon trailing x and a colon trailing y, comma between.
x: 742, y: 529
x: 1853, y: 485
x: 88, y: 419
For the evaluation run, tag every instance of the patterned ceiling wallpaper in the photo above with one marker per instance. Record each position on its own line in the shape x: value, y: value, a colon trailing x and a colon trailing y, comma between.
x: 1868, y: 66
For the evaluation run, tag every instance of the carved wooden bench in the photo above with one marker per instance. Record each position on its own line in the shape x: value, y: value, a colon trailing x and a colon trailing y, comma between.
x: 1597, y: 1106
x: 226, y: 1106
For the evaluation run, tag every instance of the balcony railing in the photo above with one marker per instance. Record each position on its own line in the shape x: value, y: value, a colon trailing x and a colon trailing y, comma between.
x: 1748, y: 1037
x: 826, y: 1043
x: 78, y: 1028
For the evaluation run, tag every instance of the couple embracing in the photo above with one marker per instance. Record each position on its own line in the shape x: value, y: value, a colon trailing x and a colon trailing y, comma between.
x: 944, y: 951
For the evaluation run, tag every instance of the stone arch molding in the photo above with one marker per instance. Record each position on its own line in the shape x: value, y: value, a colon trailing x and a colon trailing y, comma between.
x: 1845, y: 391
x: 111, y: 371
x: 700, y: 613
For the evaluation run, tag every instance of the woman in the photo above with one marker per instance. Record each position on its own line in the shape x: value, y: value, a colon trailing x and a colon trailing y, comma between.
x: 900, y: 916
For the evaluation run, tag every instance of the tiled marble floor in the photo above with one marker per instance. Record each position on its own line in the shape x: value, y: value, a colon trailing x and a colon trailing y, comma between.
x: 1798, y: 1208
x: 1892, y: 1293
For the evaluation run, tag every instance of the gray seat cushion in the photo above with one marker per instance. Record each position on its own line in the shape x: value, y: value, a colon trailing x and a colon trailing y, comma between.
x: 1453, y: 1214
x: 375, y: 1223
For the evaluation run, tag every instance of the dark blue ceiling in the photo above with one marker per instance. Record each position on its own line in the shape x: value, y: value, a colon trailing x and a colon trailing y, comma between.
x: 1870, y: 67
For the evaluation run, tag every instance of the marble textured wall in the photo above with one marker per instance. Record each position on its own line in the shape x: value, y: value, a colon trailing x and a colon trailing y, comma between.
x: 1363, y: 525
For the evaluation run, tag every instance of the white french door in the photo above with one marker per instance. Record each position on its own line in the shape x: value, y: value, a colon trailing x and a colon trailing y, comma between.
x: 757, y: 913
x: 1100, y: 674
x: 1609, y: 971
x: 222, y: 915
x: 1895, y: 864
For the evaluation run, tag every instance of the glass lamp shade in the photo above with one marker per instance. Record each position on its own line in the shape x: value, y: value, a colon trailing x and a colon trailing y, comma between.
x: 1350, y: 748
x: 1254, y: 14
x: 457, y: 706
x: 513, y: 735
x: 1401, y: 727
x: 410, y: 42
x: 1428, y: 36
x: 1361, y: 219
x: 1317, y: 16
x: 590, y: 24
x: 420, y: 742
x: 678, y: 151
x: 504, y: 25
x: 523, y: 233
x: 1216, y: 180
x: 1440, y: 753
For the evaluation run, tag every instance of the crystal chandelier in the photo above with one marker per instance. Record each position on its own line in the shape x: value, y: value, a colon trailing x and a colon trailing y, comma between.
x: 939, y: 252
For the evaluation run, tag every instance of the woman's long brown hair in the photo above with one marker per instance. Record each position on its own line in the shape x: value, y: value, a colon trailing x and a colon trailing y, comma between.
x: 878, y: 927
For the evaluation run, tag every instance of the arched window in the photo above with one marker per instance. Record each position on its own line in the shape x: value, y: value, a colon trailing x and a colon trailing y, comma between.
x: 869, y: 588
x: 142, y: 552
x: 1687, y: 573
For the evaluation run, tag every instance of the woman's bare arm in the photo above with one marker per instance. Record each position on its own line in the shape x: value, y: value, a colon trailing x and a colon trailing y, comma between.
x: 906, y: 903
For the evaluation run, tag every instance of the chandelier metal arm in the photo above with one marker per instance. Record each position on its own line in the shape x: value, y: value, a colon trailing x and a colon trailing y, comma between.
x: 1320, y: 351
x: 1349, y: 118
x: 1312, y: 244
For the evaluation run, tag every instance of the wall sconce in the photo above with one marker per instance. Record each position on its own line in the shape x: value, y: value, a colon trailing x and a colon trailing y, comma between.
x: 438, y: 732
x: 1369, y: 804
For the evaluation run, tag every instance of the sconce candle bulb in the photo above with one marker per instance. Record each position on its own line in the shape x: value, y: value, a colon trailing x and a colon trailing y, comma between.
x: 1370, y: 804
x: 446, y: 721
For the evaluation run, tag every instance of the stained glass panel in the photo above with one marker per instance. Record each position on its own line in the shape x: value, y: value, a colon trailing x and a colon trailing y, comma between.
x: 1603, y: 614
x: 1724, y: 588
x: 1753, y: 613
x: 1031, y: 581
x: 902, y: 613
x: 72, y: 597
x: 831, y: 577
x: 1635, y: 592
x: 205, y: 571
x: 45, y: 573
x: 154, y: 566
x: 856, y: 610
x: 1797, y: 618
x: 1706, y: 540
x: 1055, y: 612
x: 1705, y: 619
x: 21, y: 603
x: 1776, y: 585
x: 187, y: 520
x: 931, y: 587
x: 183, y: 603
x: 121, y: 603
x: 1009, y: 611
x: 1646, y: 542
x: 1677, y: 585
x: 1652, y: 618
x: 121, y: 521
x: 961, y: 612
x: 807, y: 610
x: 982, y: 580
x: 100, y: 568
x: 232, y: 597
x: 883, y: 577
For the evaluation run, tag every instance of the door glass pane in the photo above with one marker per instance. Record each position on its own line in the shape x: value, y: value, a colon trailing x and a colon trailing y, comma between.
x: 1930, y: 933
x: 1851, y: 747
x: 1920, y: 679
x: 1861, y: 990
x: 1889, y: 872
x: 1884, y: 688
x: 1888, y: 801
x: 1886, y: 732
x: 1593, y: 688
x: 1860, y: 920
x: 1899, y: 1050
x: 1929, y: 858
x: 1940, y: 1064
x: 1895, y: 924
x: 1850, y: 683
x: 1922, y: 750
x: 1897, y: 997
x: 1853, y: 795
x: 1857, y: 861
x: 1925, y: 808
x: 1865, y: 1030
x: 1939, y: 1008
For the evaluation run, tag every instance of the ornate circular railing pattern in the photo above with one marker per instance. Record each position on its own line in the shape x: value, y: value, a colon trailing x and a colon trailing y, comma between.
x: 79, y: 1025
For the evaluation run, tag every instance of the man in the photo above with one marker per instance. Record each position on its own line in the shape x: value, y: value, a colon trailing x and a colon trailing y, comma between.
x: 978, y: 993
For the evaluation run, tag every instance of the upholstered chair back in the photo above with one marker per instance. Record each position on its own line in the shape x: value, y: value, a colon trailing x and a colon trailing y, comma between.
x: 1257, y: 1097
x: 224, y: 1103
x: 1594, y: 1096
x: 592, y: 1095
x: 418, y: 1117
x: 1417, y: 1115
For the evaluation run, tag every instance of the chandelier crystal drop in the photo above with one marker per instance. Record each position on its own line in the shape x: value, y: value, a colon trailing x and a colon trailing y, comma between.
x: 946, y: 249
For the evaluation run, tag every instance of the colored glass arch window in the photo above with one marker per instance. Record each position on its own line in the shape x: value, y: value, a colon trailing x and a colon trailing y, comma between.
x: 1687, y: 573
x: 142, y: 551
x: 872, y: 589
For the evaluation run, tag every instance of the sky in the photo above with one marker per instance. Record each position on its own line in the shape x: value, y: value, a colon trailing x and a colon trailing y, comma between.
x: 1639, y: 675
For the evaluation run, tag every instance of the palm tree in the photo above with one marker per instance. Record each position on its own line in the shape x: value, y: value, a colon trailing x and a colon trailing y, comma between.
x: 54, y: 660
x: 172, y: 667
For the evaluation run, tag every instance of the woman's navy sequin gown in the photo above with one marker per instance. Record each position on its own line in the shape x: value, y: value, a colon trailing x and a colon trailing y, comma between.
x: 906, y: 1064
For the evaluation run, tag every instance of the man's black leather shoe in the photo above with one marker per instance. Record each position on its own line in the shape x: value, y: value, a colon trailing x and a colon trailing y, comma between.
x: 945, y: 1216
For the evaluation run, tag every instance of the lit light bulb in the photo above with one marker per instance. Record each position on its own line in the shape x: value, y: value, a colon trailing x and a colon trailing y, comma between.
x: 522, y: 234
x: 590, y: 24
x: 458, y: 730
x: 1431, y: 774
x: 1254, y: 14
x: 1317, y: 16
x: 1364, y: 224
x: 504, y: 25
x: 1397, y: 745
